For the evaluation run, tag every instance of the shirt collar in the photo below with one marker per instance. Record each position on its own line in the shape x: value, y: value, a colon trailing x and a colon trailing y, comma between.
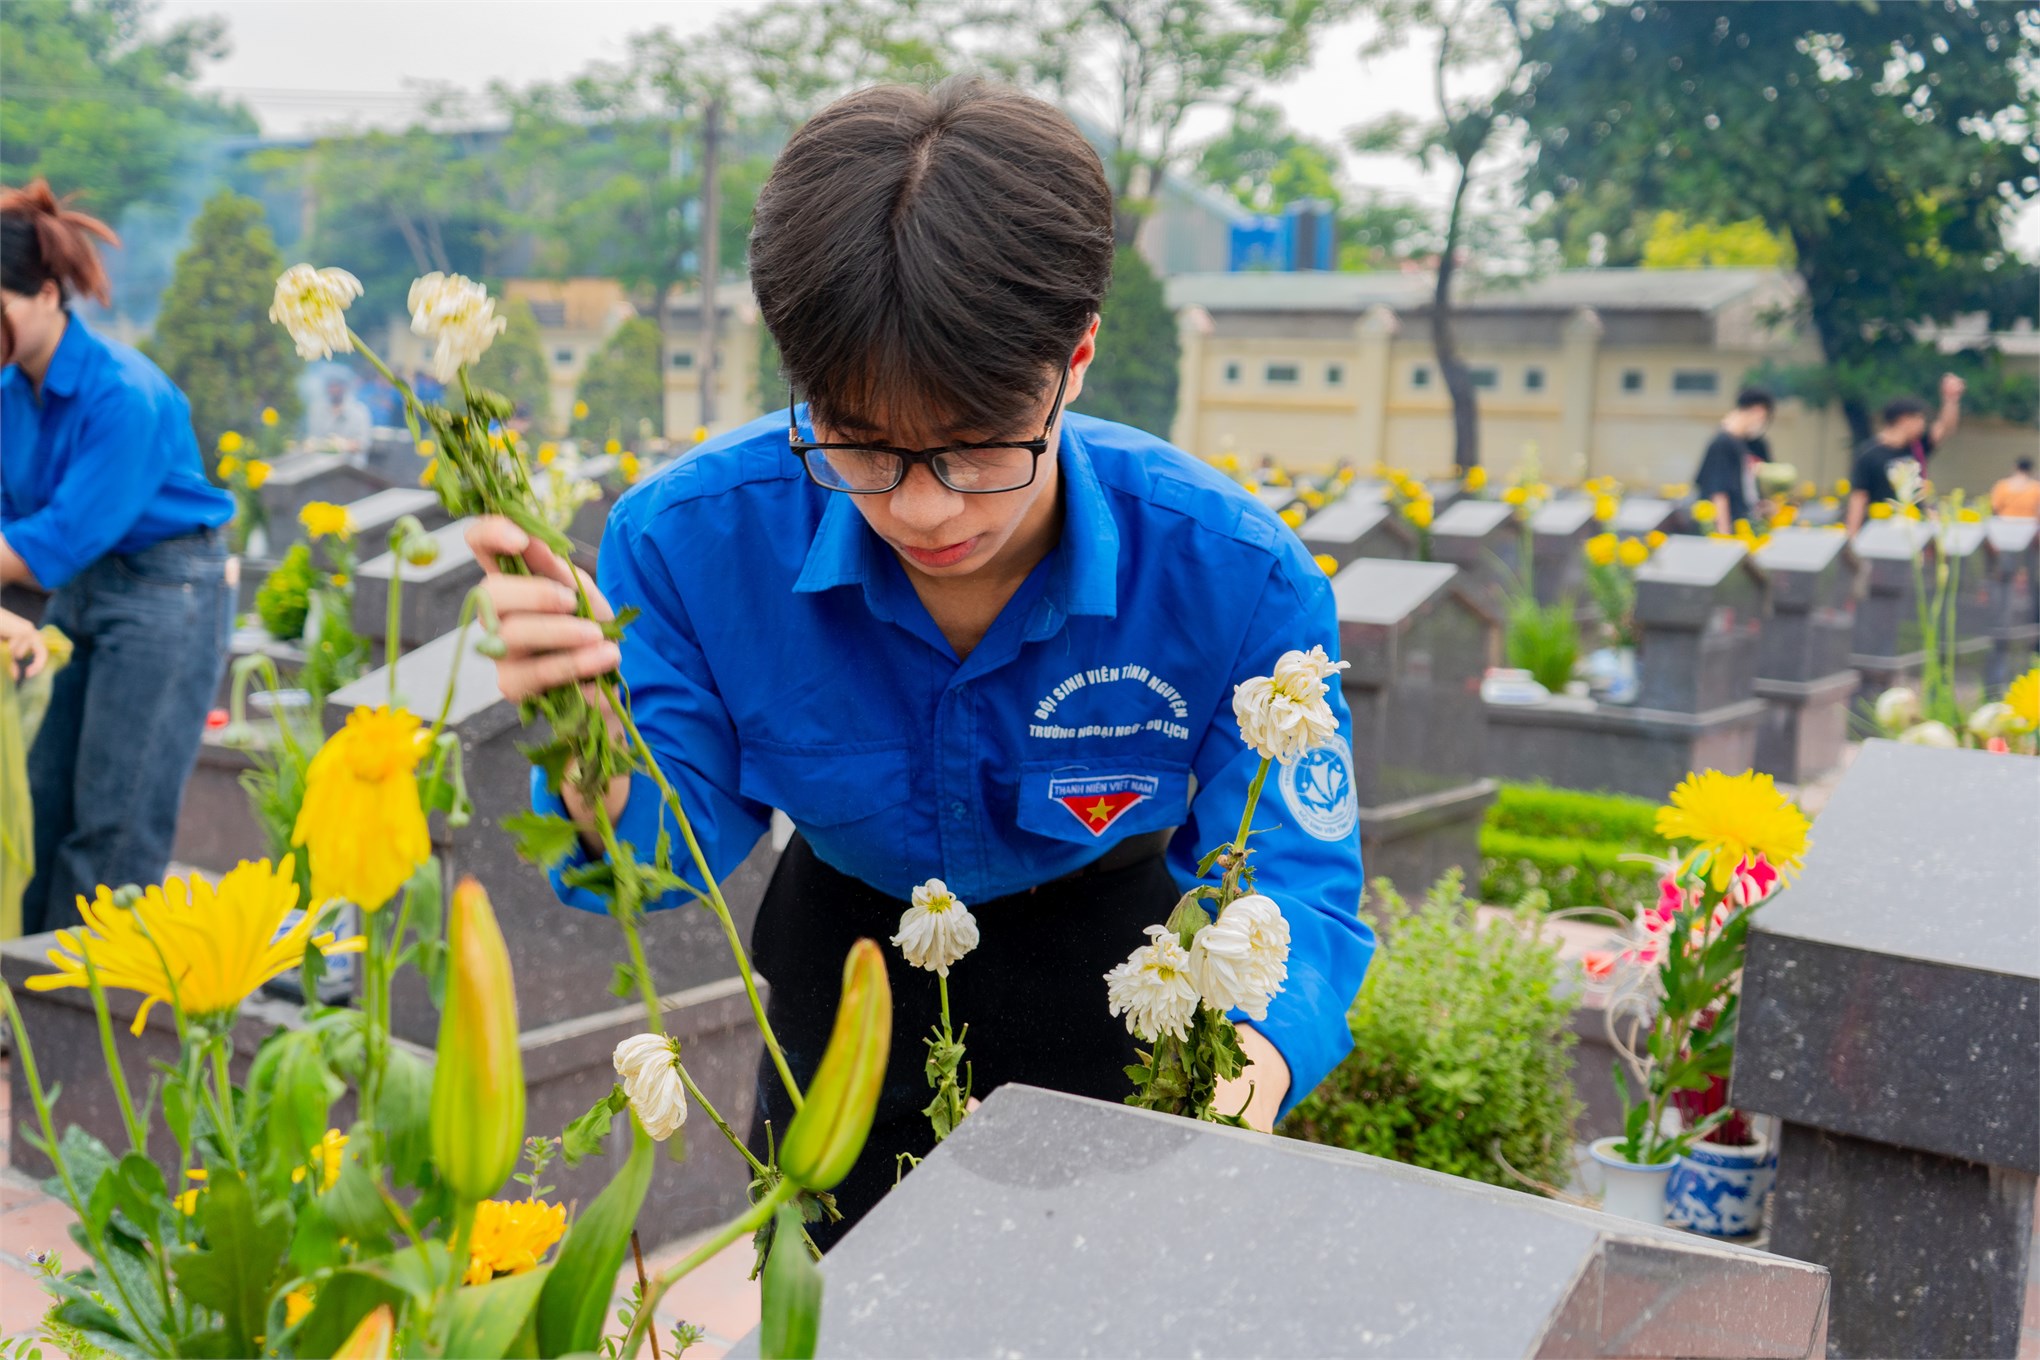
x: 1084, y: 574
x: 69, y: 361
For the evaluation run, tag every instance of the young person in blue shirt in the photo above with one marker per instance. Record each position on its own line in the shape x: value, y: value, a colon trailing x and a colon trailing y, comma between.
x: 954, y: 630
x: 104, y: 503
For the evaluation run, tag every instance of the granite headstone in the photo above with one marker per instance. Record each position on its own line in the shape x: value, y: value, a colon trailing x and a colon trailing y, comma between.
x: 432, y: 597
x: 1803, y: 671
x: 1559, y: 531
x: 1351, y: 528
x: 1485, y: 541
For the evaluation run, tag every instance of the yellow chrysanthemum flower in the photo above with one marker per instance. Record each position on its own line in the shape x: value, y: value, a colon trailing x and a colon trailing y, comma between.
x: 2023, y: 698
x: 1601, y: 549
x: 1729, y: 818
x: 1632, y: 554
x: 1655, y: 539
x: 1841, y: 486
x: 430, y: 474
x: 1605, y: 507
x: 612, y: 447
x: 580, y: 410
x: 219, y: 943
x: 297, y: 1305
x: 1327, y: 564
x: 1909, y: 511
x: 361, y: 819
x: 511, y: 1235
x: 1807, y: 491
x: 187, y: 1203
x: 1881, y: 510
x: 258, y: 473
x: 1515, y: 495
x: 227, y: 467
x: 1786, y: 515
x: 1293, y: 517
x: 1969, y: 515
x: 1703, y: 511
x: 427, y: 449
x: 1418, y: 512
x: 326, y: 1156
x: 321, y: 518
x: 630, y: 467
x: 270, y: 417
x: 701, y: 434
x: 231, y: 441
x: 1475, y: 478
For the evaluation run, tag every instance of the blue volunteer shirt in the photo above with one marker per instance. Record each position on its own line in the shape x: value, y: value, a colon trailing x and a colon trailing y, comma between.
x: 105, y: 461
x: 783, y: 660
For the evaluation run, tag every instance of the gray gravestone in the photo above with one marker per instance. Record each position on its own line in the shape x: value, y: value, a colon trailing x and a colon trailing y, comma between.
x: 1559, y: 531
x: 1418, y: 648
x: 432, y: 597
x: 1111, y: 1231
x: 1485, y: 541
x: 566, y: 959
x: 1964, y: 545
x: 1699, y: 615
x: 2014, y: 567
x: 1891, y: 1017
x: 1351, y: 528
x: 1887, y: 639
x: 1445, y: 492
x: 298, y: 479
x: 374, y: 516
x: 1641, y: 516
x: 1276, y: 498
x: 1803, y: 671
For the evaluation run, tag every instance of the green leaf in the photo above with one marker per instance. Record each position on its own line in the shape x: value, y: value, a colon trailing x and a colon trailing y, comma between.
x: 524, y: 518
x: 792, y: 1296
x: 586, y: 1135
x: 404, y: 1114
x: 140, y: 1194
x: 356, y: 1210
x: 576, y: 1295
x: 544, y: 838
x: 301, y: 1096
x: 342, y: 1301
x: 233, y: 1273
x: 483, y: 1320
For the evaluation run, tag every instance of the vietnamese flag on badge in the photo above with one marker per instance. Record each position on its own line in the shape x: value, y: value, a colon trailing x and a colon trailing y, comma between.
x: 1098, y: 801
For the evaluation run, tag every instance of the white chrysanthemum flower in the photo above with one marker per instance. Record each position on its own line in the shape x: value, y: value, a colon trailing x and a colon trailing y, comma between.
x: 1152, y: 989
x: 458, y: 316
x: 648, y: 1065
x: 1897, y: 708
x: 937, y: 929
x: 1992, y: 720
x: 1285, y: 714
x: 1937, y: 734
x: 1240, y: 961
x: 1906, y: 482
x: 311, y: 304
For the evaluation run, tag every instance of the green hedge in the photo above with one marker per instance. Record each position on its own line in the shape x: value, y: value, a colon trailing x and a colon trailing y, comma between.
x: 1569, y: 845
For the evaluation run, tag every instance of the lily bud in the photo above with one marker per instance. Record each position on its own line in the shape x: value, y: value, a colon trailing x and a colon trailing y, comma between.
x: 478, y: 1081
x: 371, y: 1338
x: 828, y: 1133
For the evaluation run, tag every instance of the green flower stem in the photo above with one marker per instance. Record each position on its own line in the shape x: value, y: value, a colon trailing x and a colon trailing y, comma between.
x: 749, y: 1222
x: 699, y: 1099
x: 1230, y: 885
x: 391, y: 620
x: 223, y: 1100
x: 94, y: 1238
x: 137, y: 1130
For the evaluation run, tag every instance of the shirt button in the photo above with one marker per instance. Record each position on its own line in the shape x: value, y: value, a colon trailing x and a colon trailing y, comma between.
x: 958, y: 812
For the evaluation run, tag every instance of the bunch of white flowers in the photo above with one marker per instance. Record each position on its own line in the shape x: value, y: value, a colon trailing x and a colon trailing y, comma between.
x: 1237, y: 962
x: 1153, y: 988
x: 1285, y: 714
x: 458, y: 316
x: 311, y: 304
x: 649, y: 1065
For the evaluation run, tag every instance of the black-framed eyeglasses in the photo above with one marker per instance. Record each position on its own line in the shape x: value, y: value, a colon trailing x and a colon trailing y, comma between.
x: 979, y: 469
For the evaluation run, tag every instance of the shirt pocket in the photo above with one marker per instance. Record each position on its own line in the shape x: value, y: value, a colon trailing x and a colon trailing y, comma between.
x: 827, y: 786
x: 1103, y: 799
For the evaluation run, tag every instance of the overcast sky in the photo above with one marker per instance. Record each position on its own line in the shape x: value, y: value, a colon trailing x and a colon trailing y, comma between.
x: 305, y: 65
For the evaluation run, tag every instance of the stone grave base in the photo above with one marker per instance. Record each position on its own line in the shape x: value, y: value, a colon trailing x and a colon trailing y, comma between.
x: 1413, y: 842
x: 566, y: 1066
x: 1805, y: 727
x: 215, y: 828
x: 1972, y: 662
x: 2012, y: 652
x: 1580, y: 744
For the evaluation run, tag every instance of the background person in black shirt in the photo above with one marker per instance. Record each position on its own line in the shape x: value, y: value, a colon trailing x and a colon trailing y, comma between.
x: 1728, y: 475
x: 1903, y: 433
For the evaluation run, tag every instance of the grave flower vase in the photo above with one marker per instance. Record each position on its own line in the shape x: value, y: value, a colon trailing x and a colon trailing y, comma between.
x: 1719, y: 1191
x: 1630, y: 1190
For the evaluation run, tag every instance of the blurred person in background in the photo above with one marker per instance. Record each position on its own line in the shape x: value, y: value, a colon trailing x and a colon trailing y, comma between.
x: 342, y: 424
x: 1904, y: 436
x: 1728, y: 469
x: 2017, y: 496
x: 104, y: 503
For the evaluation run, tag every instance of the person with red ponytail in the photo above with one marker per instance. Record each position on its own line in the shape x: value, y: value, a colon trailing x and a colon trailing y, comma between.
x: 105, y: 504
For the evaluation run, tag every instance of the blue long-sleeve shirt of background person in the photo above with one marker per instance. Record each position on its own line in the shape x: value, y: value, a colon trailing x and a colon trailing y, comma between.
x: 783, y: 660
x: 104, y: 461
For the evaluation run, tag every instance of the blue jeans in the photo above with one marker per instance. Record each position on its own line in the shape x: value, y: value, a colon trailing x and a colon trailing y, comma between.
x: 108, y: 768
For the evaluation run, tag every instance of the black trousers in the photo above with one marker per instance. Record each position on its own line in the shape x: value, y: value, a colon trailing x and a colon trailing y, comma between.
x: 1033, y: 994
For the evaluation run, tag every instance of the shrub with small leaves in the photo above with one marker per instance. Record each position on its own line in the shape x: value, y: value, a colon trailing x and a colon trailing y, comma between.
x: 286, y: 596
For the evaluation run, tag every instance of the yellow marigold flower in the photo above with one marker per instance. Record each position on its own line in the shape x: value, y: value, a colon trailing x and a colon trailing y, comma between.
x: 1703, y: 511
x: 630, y: 467
x: 2023, y: 698
x: 1632, y: 554
x: 258, y: 473
x: 427, y: 449
x: 612, y: 447
x: 338, y: 579
x: 1969, y: 516
x: 430, y: 474
x: 1605, y: 507
x: 701, y: 434
x: 1807, y: 491
x: 1742, y: 528
x: 511, y: 1235
x: 1729, y: 818
x: 1601, y: 549
x: 1418, y: 512
x: 1311, y: 497
x: 1515, y: 495
x: 1539, y: 491
x: 1327, y: 564
x: 547, y: 452
x: 270, y: 417
x: 220, y: 942
x: 1654, y: 540
x: 231, y: 441
x: 1293, y: 517
x: 327, y: 1157
x: 1674, y: 491
x: 1475, y: 478
x: 1786, y: 515
x: 1229, y: 461
x: 580, y: 410
x: 1345, y: 476
x: 321, y: 518
x: 297, y: 1304
x: 1881, y: 510
x: 361, y: 820
x: 227, y: 467
x: 188, y: 1201
x: 1841, y: 486
x: 1909, y: 511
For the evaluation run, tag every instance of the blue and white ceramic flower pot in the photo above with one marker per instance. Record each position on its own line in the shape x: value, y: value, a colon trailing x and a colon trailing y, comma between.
x: 1720, y: 1191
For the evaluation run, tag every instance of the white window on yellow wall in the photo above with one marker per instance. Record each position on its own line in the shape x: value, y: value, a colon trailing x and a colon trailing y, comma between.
x: 1335, y: 375
x: 1281, y: 374
x: 1696, y: 382
x: 1420, y: 376
x: 1485, y: 378
x: 1232, y: 372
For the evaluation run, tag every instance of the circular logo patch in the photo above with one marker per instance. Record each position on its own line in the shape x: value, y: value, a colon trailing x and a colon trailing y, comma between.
x: 1319, y: 791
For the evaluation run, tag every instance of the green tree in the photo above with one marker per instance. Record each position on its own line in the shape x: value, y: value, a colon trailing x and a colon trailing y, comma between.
x: 1674, y: 243
x: 1134, y: 377
x: 213, y: 336
x: 515, y: 364
x: 1889, y: 144
x: 1265, y: 164
x: 100, y: 105
x: 623, y: 386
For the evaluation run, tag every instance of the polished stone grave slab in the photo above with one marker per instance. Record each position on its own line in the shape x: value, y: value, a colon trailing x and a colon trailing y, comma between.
x: 1418, y: 647
x: 1887, y: 645
x: 1641, y: 516
x: 1559, y: 532
x: 1355, y: 527
x: 1699, y: 615
x: 1053, y: 1225
x: 432, y: 597
x: 298, y: 479
x: 1485, y: 541
x: 1803, y: 671
x: 1891, y: 1018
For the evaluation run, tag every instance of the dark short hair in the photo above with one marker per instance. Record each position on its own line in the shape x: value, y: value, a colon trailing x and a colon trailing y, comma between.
x: 2024, y: 465
x: 1755, y: 396
x: 935, y: 251
x: 1898, y: 408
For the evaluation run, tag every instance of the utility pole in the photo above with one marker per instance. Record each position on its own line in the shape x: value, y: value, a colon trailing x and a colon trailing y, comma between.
x: 705, y: 366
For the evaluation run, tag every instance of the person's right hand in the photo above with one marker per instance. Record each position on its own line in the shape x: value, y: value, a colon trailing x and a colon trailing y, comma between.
x: 22, y: 642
